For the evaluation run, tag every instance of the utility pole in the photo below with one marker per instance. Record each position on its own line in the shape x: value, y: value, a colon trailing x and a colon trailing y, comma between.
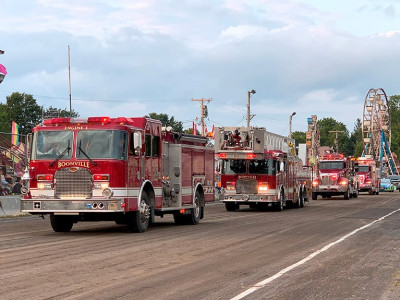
x: 203, y: 112
x: 249, y: 117
x: 336, y: 138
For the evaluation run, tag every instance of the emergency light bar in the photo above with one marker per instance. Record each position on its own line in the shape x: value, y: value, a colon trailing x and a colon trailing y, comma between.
x: 332, y: 157
x: 103, y: 120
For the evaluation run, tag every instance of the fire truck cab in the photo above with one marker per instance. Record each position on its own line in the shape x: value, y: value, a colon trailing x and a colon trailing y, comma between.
x: 336, y: 177
x: 368, y: 175
x: 126, y: 170
x: 258, y: 169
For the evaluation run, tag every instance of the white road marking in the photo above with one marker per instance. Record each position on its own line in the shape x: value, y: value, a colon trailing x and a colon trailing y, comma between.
x: 261, y: 284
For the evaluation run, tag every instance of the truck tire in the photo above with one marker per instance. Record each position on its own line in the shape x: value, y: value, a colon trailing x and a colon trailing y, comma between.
x: 61, y: 223
x: 279, y: 205
x: 347, y: 195
x: 371, y: 192
x: 194, y: 217
x: 138, y: 221
x: 231, y: 206
x: 314, y: 196
x: 355, y: 194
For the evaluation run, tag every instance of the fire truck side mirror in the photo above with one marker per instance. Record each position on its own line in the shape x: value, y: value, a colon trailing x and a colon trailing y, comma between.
x: 218, y: 167
x: 136, y: 143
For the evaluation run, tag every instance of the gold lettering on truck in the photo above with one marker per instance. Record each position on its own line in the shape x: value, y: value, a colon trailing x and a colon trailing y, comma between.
x: 63, y: 164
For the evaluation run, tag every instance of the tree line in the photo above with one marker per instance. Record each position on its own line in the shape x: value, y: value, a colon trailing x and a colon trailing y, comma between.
x: 23, y: 109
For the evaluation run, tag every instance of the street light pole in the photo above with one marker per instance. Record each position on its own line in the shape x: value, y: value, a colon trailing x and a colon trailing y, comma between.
x: 290, y: 124
x: 248, y: 107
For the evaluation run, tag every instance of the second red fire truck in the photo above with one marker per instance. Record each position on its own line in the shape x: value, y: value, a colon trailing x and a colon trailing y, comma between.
x: 257, y: 168
x: 126, y: 170
x: 336, y: 177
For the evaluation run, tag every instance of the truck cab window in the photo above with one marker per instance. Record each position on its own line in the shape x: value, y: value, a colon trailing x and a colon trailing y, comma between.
x: 155, y: 146
x: 148, y: 144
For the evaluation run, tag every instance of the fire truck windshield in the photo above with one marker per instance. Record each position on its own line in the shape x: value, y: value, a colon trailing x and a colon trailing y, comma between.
x: 109, y: 144
x: 240, y: 166
x: 50, y: 144
x: 363, y: 168
x: 328, y: 165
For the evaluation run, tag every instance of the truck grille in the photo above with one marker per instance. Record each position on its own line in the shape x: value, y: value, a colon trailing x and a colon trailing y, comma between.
x: 327, y: 180
x: 68, y: 184
x: 246, y: 186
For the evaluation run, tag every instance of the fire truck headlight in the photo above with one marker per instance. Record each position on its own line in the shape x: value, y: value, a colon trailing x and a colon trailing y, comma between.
x: 343, y: 182
x: 107, y: 193
x: 44, y: 186
x: 315, y: 182
x: 231, y: 185
x: 263, y: 187
x: 101, y: 185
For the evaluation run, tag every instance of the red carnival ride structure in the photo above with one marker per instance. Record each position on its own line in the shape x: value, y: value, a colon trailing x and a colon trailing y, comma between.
x: 126, y: 170
x: 336, y: 177
x: 257, y: 168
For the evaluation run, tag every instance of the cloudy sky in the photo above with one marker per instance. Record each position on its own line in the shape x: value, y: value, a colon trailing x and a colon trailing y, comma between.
x: 134, y: 57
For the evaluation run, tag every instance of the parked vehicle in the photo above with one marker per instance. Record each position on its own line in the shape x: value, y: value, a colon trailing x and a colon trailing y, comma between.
x: 395, y: 180
x: 386, y: 185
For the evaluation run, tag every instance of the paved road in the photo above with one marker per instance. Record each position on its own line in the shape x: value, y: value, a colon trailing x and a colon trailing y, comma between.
x: 331, y: 249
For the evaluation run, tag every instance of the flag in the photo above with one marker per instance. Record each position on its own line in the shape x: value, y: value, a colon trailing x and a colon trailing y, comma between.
x: 194, y: 130
x: 211, y: 133
x: 14, y: 133
x: 3, y: 70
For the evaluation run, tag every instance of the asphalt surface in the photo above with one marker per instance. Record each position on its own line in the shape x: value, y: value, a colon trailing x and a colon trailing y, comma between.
x: 330, y: 249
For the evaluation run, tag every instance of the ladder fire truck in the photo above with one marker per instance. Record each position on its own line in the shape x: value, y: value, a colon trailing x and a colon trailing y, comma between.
x: 126, y: 170
x: 368, y: 175
x: 336, y: 177
x: 257, y: 168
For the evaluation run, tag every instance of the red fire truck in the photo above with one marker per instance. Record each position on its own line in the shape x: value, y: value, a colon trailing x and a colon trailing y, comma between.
x: 257, y: 169
x: 126, y: 170
x: 368, y: 175
x: 336, y: 177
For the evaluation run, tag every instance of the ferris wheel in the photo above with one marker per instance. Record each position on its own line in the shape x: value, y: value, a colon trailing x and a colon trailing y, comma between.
x: 376, y: 129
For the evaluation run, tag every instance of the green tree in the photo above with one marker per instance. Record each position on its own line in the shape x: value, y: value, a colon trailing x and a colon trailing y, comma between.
x: 394, y: 110
x: 167, y: 121
x: 356, y: 139
x: 299, y: 137
x: 23, y: 110
x: 53, y: 112
x: 328, y: 138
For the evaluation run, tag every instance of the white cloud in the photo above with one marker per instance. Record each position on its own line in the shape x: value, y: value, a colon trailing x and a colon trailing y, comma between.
x: 155, y: 56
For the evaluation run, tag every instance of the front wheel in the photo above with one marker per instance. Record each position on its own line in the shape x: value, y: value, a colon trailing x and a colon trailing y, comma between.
x: 231, y: 206
x: 314, y: 196
x: 347, y: 195
x: 61, y: 223
x: 138, y: 221
x: 194, y: 217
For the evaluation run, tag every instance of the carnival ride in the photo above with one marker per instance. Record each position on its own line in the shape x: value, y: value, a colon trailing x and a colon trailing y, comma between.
x: 376, y: 131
